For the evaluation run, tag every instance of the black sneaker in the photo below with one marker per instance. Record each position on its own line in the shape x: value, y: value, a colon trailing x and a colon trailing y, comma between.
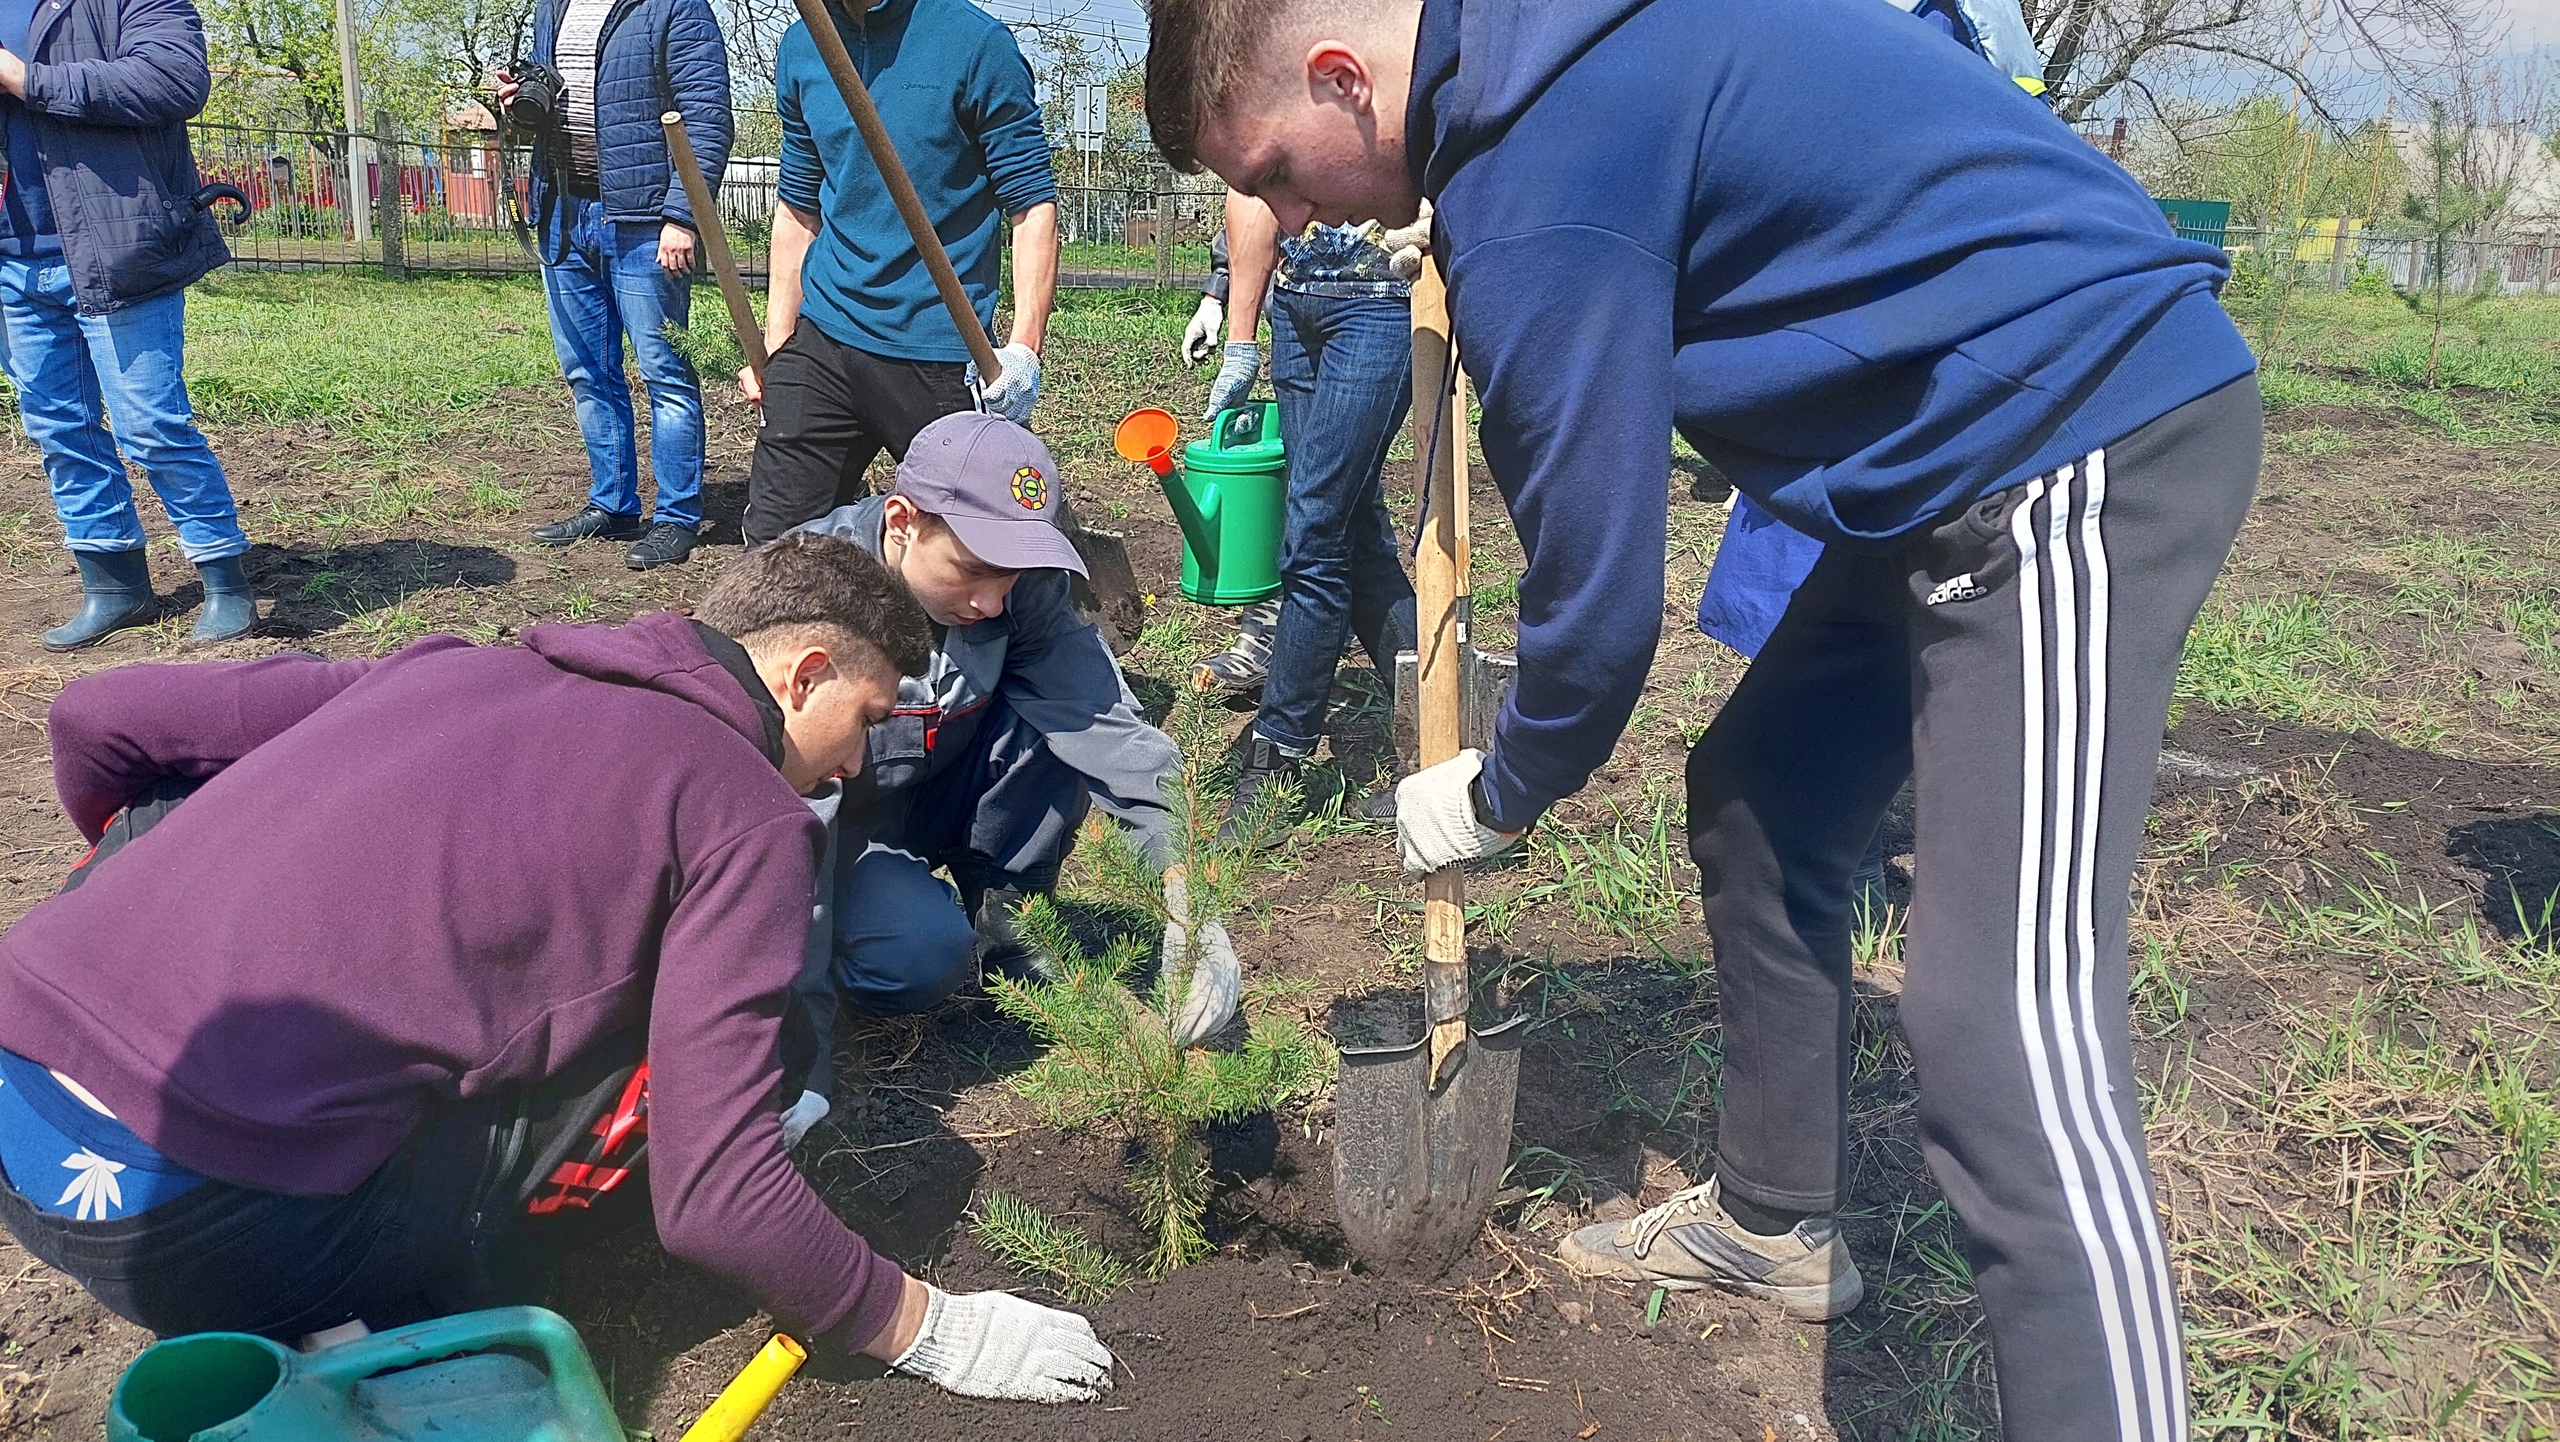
x: 1261, y: 767
x: 595, y: 523
x: 1001, y: 948
x: 667, y: 544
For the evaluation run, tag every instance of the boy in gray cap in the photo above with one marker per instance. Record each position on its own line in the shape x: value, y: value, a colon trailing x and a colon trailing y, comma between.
x: 992, y: 757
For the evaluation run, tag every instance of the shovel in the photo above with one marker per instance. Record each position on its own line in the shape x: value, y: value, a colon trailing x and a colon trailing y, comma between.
x: 1108, y: 593
x: 715, y: 242
x: 1422, y: 1131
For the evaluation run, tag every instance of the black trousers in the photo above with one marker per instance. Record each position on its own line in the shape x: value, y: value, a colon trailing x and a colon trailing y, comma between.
x: 444, y: 1225
x: 829, y: 409
x: 2018, y: 656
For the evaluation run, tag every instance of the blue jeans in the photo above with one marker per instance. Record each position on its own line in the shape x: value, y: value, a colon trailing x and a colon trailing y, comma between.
x: 77, y: 373
x: 1005, y: 813
x: 1342, y: 367
x: 608, y: 283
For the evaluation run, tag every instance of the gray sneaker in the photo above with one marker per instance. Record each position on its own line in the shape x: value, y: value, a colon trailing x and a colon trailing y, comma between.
x: 1239, y: 670
x: 1808, y: 1270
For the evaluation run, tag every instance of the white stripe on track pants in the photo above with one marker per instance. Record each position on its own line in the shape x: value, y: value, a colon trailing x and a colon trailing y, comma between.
x: 2018, y: 656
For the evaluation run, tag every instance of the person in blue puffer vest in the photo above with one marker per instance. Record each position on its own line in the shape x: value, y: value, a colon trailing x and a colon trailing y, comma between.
x: 618, y: 244
x: 101, y: 233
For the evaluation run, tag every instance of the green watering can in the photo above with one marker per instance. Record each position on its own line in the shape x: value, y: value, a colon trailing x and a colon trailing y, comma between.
x: 1227, y: 496
x: 509, y: 1374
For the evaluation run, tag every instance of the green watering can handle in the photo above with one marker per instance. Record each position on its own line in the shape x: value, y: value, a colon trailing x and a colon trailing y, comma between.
x: 1246, y: 419
x: 573, y: 1377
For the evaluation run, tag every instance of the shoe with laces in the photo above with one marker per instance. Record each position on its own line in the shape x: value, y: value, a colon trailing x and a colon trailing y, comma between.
x: 667, y: 544
x: 1261, y: 766
x: 595, y: 523
x: 1691, y: 1242
x: 1241, y: 669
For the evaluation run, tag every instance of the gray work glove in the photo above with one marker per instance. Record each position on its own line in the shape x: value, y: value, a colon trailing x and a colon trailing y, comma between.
x: 1201, y: 336
x: 801, y: 1115
x: 1436, y: 823
x: 1236, y: 375
x: 996, y: 1345
x: 1217, y: 977
x: 1018, y: 389
x: 1407, y: 244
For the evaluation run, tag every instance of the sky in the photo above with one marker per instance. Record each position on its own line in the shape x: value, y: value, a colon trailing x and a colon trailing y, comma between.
x: 2536, y: 22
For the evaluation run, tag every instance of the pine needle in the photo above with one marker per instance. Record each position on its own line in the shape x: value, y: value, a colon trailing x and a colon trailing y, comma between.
x: 1036, y: 1244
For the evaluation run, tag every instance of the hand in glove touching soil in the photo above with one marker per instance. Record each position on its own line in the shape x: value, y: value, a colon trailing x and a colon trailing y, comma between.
x: 1436, y: 820
x: 801, y: 1115
x: 1217, y: 977
x: 998, y: 1346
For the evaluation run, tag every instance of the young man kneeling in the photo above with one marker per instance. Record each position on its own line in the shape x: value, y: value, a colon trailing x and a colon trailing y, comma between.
x: 311, y: 1039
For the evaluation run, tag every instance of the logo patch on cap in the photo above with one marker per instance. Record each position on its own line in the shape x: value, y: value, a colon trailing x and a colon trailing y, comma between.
x: 1031, y: 488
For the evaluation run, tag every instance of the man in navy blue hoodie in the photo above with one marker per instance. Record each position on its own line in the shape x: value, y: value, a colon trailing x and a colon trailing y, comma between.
x: 1916, y: 318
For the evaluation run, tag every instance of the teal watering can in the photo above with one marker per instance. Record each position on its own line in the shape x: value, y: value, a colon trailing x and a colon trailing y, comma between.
x: 510, y: 1374
x: 1228, y: 496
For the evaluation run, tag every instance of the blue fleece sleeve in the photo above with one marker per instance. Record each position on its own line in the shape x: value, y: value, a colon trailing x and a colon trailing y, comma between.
x: 698, y: 79
x: 158, y: 75
x: 1567, y: 334
x: 1003, y: 111
x: 801, y: 172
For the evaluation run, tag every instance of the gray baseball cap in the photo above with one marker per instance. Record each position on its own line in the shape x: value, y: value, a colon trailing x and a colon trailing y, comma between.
x: 995, y: 485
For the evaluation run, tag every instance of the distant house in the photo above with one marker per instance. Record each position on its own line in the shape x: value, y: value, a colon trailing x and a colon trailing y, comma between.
x: 470, y: 161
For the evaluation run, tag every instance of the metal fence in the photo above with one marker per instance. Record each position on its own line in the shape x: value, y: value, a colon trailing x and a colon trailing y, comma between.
x: 459, y: 205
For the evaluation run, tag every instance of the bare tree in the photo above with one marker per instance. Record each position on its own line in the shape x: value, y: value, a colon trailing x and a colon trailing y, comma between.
x: 2332, y: 52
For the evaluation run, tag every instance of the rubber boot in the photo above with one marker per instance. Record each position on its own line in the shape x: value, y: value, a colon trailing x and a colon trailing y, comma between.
x: 230, y: 609
x: 115, y: 592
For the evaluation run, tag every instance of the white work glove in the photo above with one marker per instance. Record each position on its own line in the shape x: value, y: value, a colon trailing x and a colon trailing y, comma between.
x: 1407, y: 244
x: 1201, y: 336
x: 1436, y: 823
x: 1018, y: 389
x: 998, y: 1346
x: 1236, y: 375
x: 801, y: 1115
x: 1217, y: 977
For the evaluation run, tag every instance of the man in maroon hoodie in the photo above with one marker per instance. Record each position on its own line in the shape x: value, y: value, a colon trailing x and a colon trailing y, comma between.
x: 293, y: 1045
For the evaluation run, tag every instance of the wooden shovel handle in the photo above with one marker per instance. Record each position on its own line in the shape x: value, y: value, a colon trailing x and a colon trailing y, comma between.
x: 902, y: 191
x: 1439, y: 418
x: 715, y: 241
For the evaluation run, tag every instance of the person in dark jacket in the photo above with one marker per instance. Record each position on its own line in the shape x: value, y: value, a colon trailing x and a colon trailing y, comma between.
x: 1962, y: 351
x: 296, y: 1044
x: 618, y: 243
x: 1019, y: 728
x: 100, y: 236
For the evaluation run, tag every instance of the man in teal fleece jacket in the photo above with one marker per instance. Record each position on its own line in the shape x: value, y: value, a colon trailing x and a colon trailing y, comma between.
x: 864, y: 355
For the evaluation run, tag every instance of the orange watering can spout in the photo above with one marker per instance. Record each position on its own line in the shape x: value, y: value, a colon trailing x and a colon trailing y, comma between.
x: 1147, y: 436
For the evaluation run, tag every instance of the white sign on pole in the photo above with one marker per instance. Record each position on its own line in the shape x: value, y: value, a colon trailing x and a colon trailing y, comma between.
x: 1089, y: 117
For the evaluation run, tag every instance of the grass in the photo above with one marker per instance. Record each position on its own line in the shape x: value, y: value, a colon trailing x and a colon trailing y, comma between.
x: 2352, y: 1082
x: 394, y: 357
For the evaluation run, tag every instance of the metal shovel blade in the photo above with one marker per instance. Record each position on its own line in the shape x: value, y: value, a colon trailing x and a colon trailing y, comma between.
x: 1107, y: 594
x: 1414, y: 1169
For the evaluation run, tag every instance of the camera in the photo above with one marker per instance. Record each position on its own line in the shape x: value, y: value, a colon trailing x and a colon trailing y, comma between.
x: 538, y: 92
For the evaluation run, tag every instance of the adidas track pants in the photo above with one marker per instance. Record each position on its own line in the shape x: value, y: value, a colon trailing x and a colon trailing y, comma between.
x: 2018, y: 656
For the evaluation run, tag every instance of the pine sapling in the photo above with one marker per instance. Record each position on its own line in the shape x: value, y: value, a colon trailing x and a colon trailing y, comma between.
x: 1111, y: 1061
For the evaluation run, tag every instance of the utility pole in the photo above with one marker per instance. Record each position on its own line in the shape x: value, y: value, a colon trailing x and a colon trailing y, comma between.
x: 357, y: 203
